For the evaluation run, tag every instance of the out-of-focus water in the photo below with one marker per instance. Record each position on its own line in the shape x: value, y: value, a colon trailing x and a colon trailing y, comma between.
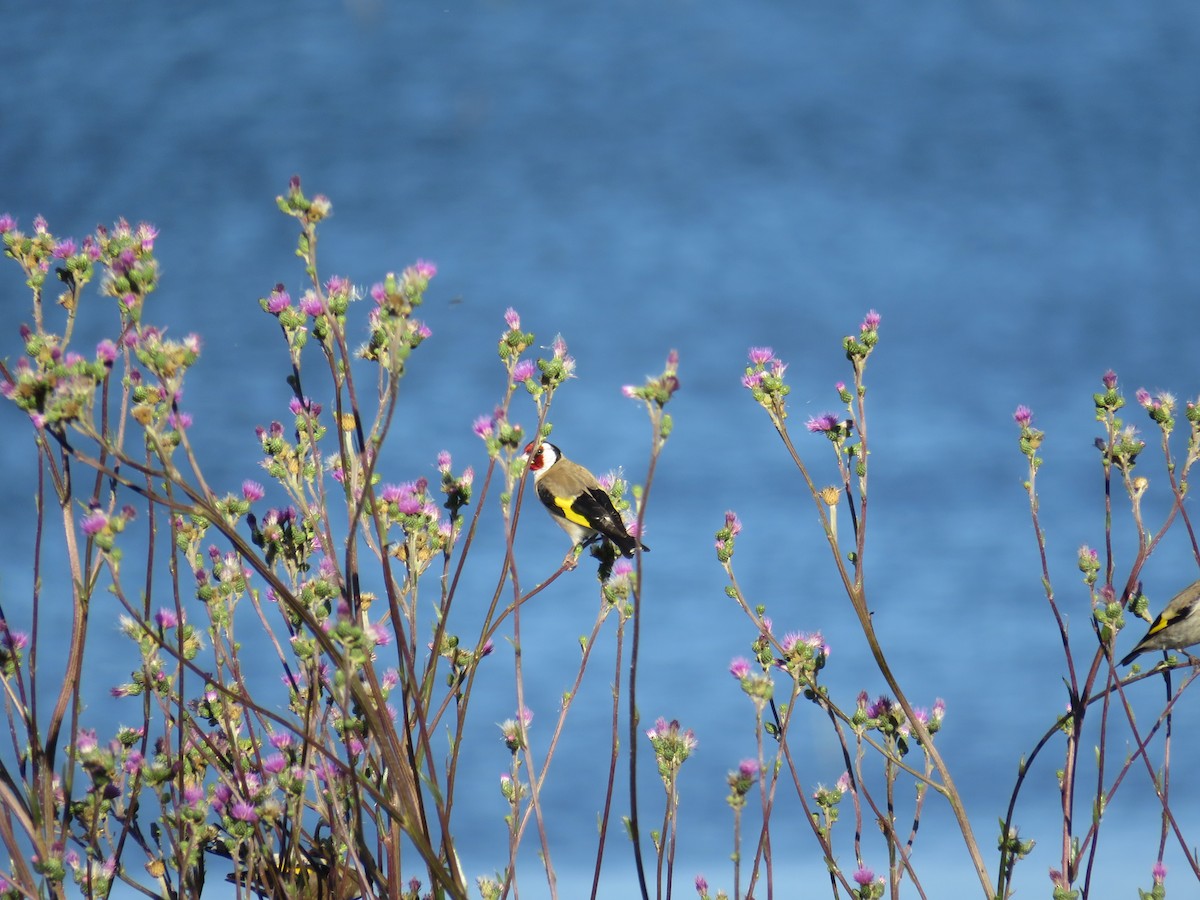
x: 1012, y: 185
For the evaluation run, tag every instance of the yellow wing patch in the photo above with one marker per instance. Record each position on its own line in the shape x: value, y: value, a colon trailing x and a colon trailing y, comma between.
x: 569, y: 514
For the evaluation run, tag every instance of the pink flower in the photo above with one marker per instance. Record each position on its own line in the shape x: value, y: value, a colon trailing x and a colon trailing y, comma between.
x: 760, y: 356
x: 863, y: 876
x: 106, y: 352
x: 739, y: 668
x: 512, y: 319
x: 1023, y: 415
x: 252, y: 490
x: 870, y: 322
x: 94, y: 523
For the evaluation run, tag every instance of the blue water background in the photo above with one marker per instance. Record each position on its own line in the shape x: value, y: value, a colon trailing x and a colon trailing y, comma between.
x: 1012, y: 185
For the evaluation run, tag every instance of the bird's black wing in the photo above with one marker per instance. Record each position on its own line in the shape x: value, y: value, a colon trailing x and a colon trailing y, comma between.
x: 597, y: 507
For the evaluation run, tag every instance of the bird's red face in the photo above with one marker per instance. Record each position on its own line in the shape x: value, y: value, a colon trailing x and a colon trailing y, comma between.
x: 534, y: 451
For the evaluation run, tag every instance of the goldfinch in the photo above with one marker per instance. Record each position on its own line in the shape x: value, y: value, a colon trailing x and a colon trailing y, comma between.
x: 576, y: 500
x: 1176, y: 627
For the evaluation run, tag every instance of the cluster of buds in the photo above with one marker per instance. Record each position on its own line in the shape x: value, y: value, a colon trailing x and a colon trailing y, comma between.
x: 764, y: 379
x: 497, y: 432
x: 35, y: 254
x: 514, y: 342
x: 298, y: 206
x: 1030, y: 438
x: 12, y: 646
x: 1123, y: 449
x: 1160, y: 407
x: 513, y: 730
x: 107, y: 767
x: 285, y: 538
x: 457, y: 488
x: 426, y: 535
x: 828, y: 800
x: 290, y: 464
x: 394, y: 332
x: 222, y: 583
x: 859, y: 347
x: 167, y: 630
x: 618, y: 587
x: 131, y: 271
x: 291, y: 319
x: 726, y: 536
x: 559, y: 367
x: 461, y: 659
x: 672, y: 746
x: 804, y: 655
x: 656, y: 392
x: 57, y: 388
x: 102, y: 528
x: 887, y: 717
x: 741, y: 780
x: 1109, y: 614
x: 756, y: 684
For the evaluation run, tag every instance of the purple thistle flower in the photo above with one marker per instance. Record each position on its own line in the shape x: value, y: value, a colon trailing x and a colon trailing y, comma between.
x: 1109, y: 379
x: 1158, y: 872
x: 444, y: 462
x: 278, y: 301
x: 311, y: 304
x: 701, y: 885
x: 7, y: 223
x: 252, y: 491
x: 512, y: 319
x: 1023, y: 415
x: 193, y: 795
x: 85, y: 740
x: 870, y: 321
x: 739, y: 668
x: 106, y: 352
x: 483, y: 427
x: 760, y: 356
x: 39, y: 224
x: 880, y: 707
x: 180, y: 421
x: 748, y: 768
x: 243, y: 811
x: 424, y: 269
x: 863, y: 876
x: 64, y: 248
x: 166, y: 618
x: 524, y: 370
x: 94, y: 523
x: 733, y: 523
x: 823, y: 423
x: 146, y: 234
x: 751, y: 380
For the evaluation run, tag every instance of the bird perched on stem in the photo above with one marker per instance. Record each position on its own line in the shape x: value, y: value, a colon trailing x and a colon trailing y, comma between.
x: 576, y: 500
x: 1176, y: 627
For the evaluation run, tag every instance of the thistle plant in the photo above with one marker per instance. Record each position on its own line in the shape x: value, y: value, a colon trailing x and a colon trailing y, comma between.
x: 301, y: 678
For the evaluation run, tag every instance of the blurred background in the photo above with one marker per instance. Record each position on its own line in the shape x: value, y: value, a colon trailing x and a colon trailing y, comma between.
x: 1012, y: 185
